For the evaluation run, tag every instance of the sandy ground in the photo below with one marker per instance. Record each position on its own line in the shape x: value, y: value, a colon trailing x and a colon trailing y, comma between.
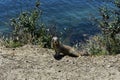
x: 34, y: 63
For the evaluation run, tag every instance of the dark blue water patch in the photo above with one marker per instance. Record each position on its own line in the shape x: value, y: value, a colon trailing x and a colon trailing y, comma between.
x: 10, y: 8
x: 60, y: 11
x: 80, y: 33
x: 65, y: 10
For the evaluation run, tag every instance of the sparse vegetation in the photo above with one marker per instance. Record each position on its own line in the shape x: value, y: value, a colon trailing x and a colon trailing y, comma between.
x: 109, y: 41
x: 96, y: 45
x: 27, y: 29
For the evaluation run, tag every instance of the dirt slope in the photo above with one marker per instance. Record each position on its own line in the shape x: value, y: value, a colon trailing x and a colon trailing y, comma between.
x: 34, y: 63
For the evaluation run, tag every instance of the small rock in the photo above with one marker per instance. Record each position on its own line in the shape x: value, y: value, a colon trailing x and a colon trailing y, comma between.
x: 119, y: 69
x: 67, y: 61
x: 59, y: 71
x: 13, y: 49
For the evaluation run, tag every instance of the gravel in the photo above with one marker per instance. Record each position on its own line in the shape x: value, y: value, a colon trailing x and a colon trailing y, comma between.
x: 34, y: 63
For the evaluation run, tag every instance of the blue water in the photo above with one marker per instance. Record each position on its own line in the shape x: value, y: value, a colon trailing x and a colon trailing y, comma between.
x: 72, y: 14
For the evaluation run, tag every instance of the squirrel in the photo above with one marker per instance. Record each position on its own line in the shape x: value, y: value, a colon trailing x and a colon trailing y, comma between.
x: 63, y: 49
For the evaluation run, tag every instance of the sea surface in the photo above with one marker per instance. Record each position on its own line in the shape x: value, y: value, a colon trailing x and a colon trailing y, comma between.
x: 73, y: 14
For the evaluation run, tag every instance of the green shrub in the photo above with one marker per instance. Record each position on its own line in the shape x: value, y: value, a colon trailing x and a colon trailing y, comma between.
x: 96, y: 46
x: 28, y: 29
x: 43, y: 37
x: 12, y: 44
x: 110, y: 27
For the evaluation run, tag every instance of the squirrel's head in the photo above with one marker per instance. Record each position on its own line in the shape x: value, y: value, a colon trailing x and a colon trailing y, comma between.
x: 55, y: 42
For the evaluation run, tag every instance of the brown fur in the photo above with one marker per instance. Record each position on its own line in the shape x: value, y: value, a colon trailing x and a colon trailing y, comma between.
x: 61, y: 48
